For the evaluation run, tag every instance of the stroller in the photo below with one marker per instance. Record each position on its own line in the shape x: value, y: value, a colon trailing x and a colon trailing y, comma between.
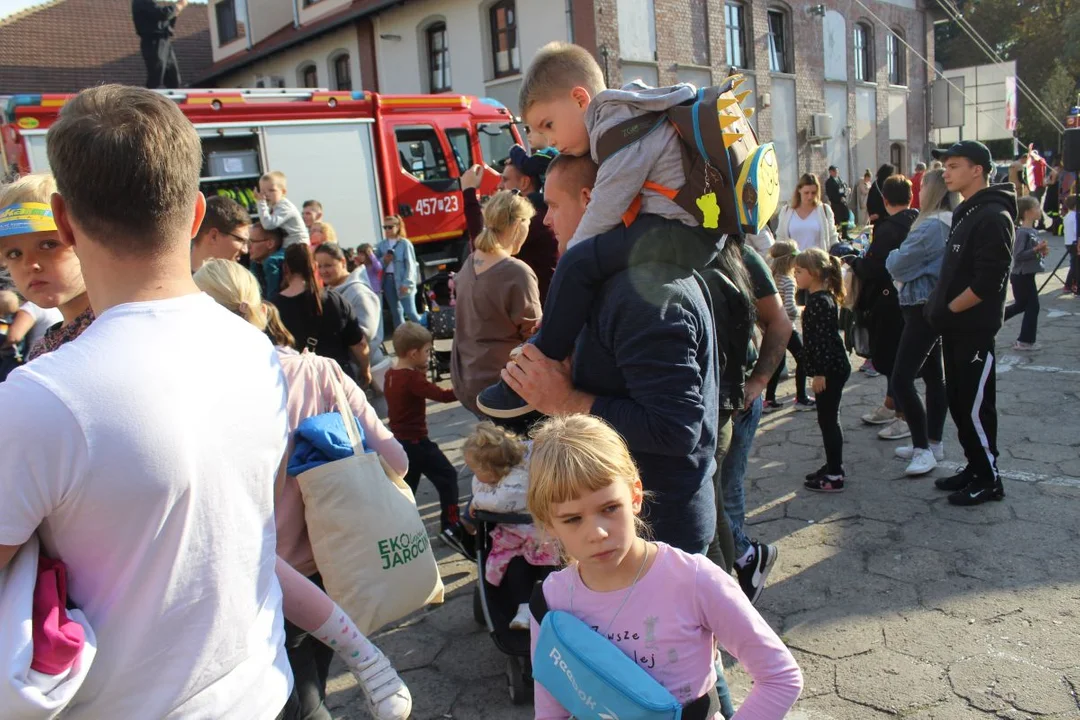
x: 494, y: 606
x: 438, y: 296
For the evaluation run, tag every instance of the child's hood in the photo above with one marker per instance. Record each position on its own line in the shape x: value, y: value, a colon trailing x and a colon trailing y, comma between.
x: 611, y: 107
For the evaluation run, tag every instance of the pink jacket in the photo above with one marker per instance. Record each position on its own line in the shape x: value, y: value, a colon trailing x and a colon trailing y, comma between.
x: 311, y: 392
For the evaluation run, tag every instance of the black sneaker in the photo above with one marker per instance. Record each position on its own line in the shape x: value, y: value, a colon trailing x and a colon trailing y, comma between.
x: 977, y: 492
x: 771, y: 406
x: 457, y: 539
x: 752, y: 577
x: 820, y: 471
x: 500, y: 402
x: 955, y: 483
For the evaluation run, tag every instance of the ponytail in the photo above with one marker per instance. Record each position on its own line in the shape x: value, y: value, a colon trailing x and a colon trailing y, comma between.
x: 234, y: 288
x: 834, y: 279
x: 502, y: 211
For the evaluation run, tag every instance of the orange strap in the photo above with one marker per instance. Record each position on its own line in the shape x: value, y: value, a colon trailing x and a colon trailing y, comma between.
x: 635, y: 207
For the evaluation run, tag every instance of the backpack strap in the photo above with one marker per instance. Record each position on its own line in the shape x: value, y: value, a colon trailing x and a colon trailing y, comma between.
x: 538, y: 603
x: 635, y: 206
x: 627, y: 133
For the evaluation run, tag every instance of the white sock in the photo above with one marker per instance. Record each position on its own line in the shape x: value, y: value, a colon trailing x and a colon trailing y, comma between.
x: 746, y: 558
x: 341, y: 635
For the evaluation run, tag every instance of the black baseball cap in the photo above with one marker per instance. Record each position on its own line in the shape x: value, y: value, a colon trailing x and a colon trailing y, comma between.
x: 535, y: 165
x: 973, y: 150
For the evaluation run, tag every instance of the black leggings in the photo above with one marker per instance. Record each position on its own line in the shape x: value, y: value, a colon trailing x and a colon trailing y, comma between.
x: 828, y: 418
x: 1025, y: 300
x: 795, y: 347
x: 920, y: 350
x: 310, y: 663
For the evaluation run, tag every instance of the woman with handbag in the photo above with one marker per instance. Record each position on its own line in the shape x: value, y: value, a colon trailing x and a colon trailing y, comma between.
x: 312, y: 383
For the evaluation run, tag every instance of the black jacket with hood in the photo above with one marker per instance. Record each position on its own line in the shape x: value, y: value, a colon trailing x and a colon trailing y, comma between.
x: 978, y: 255
x: 877, y: 283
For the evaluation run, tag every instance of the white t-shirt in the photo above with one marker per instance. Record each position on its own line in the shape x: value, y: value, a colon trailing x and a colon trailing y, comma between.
x: 806, y: 233
x: 1069, y: 227
x: 44, y: 318
x: 146, y: 451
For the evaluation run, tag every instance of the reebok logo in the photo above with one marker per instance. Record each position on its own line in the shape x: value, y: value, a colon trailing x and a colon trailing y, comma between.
x: 556, y: 657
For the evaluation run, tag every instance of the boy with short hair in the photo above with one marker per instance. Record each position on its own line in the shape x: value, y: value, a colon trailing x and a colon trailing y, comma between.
x: 407, y: 391
x: 224, y: 232
x: 563, y: 96
x: 278, y: 211
x: 313, y: 213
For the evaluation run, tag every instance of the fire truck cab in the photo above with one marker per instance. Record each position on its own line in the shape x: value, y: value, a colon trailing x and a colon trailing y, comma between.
x: 362, y: 155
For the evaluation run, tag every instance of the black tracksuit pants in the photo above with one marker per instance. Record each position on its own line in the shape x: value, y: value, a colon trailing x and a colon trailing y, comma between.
x: 425, y: 458
x: 970, y: 366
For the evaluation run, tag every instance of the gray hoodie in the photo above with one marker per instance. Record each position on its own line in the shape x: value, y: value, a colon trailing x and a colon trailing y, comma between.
x: 657, y: 157
x: 367, y: 306
x: 1025, y: 260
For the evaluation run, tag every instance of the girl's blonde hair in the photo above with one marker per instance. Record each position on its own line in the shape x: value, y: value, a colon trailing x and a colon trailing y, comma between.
x: 328, y: 231
x: 35, y: 187
x: 398, y: 222
x: 805, y: 180
x: 275, y: 328
x: 234, y: 288
x: 1025, y: 205
x: 937, y: 196
x: 572, y: 456
x: 782, y: 255
x: 826, y: 268
x: 493, y: 450
x: 502, y: 211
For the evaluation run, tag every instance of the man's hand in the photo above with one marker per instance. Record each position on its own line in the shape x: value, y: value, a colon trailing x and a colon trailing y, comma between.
x: 470, y: 179
x: 753, y: 389
x: 818, y: 385
x: 545, y: 384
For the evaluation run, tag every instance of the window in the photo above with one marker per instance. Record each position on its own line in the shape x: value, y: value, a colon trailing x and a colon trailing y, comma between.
x: 227, y: 29
x: 779, y: 60
x: 894, y: 53
x: 461, y: 146
x: 896, y: 156
x: 504, y: 50
x: 421, y: 153
x: 495, y: 143
x: 864, y: 65
x: 309, y: 76
x: 342, y: 72
x: 438, y: 58
x: 734, y: 20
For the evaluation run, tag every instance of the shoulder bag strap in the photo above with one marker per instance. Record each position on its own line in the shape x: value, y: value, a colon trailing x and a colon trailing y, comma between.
x: 345, y: 410
x: 538, y: 603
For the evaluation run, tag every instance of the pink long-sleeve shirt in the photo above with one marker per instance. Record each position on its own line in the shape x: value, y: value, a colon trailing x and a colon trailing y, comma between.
x: 311, y: 392
x: 679, y: 611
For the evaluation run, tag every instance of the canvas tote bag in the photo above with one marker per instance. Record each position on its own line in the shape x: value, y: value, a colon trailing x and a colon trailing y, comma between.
x: 369, y: 542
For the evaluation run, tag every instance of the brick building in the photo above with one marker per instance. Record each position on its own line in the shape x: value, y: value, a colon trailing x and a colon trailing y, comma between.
x: 844, y: 61
x: 67, y: 45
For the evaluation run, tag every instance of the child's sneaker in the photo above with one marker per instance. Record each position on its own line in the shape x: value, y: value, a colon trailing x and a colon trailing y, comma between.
x: 880, y: 416
x: 500, y: 402
x: 898, y: 430
x: 906, y: 452
x: 826, y: 484
x: 521, y: 620
x: 457, y: 538
x: 771, y: 406
x: 1026, y: 347
x: 387, y: 696
x: 805, y: 405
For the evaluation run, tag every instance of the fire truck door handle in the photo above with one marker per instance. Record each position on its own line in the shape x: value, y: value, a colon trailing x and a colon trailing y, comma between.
x: 404, y: 210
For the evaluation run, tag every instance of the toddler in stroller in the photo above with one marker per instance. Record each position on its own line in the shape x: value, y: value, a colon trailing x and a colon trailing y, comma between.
x: 512, y: 554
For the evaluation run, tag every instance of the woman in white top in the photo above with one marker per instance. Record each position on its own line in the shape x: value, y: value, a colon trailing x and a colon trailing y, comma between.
x: 807, y: 221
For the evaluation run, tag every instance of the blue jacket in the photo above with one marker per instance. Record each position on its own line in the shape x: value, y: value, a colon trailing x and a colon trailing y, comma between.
x: 321, y: 439
x: 916, y: 264
x: 268, y: 273
x: 404, y: 268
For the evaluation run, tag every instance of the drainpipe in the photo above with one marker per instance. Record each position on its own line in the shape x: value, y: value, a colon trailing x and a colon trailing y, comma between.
x: 295, y: 13
x: 247, y: 24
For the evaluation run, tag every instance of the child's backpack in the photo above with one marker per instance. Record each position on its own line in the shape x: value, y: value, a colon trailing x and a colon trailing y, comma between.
x: 593, y: 680
x: 732, y: 183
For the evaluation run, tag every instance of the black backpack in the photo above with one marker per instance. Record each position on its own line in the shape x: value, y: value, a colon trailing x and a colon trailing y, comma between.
x: 733, y: 321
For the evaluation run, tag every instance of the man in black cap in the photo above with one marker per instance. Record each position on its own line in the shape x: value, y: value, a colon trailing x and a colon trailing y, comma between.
x: 967, y: 307
x: 524, y: 173
x: 156, y: 25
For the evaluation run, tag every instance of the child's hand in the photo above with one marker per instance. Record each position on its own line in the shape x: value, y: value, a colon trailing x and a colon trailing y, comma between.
x: 259, y: 196
x: 818, y: 385
x: 470, y: 179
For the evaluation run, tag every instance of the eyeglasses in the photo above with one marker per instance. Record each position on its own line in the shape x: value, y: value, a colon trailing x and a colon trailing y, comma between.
x: 389, y: 227
x: 258, y: 242
x: 239, y: 239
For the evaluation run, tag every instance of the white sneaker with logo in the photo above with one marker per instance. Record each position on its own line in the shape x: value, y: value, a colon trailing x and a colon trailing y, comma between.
x: 898, y: 430
x: 921, y: 463
x: 905, y: 452
x: 881, y: 416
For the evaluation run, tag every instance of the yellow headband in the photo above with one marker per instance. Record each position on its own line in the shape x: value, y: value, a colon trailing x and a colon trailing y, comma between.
x: 22, y: 218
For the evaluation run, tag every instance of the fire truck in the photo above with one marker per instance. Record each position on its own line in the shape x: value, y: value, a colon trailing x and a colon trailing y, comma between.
x: 362, y: 155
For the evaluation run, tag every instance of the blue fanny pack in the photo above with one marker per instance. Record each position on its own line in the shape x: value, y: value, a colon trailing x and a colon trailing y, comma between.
x: 593, y: 680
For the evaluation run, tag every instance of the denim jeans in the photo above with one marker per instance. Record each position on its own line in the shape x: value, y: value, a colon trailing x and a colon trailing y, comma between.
x: 733, y: 473
x: 400, y: 308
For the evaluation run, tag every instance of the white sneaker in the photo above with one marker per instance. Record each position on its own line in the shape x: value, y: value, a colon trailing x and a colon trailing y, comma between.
x: 387, y: 696
x: 904, y: 452
x: 897, y: 431
x: 521, y: 620
x: 881, y: 416
x: 921, y: 463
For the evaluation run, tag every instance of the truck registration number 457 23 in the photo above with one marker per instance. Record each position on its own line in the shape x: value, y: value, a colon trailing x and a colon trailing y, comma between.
x: 435, y: 205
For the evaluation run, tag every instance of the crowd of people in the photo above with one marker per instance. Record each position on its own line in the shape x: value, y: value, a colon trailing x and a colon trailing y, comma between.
x: 587, y: 343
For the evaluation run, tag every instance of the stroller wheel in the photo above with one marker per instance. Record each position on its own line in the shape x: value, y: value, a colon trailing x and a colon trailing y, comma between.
x: 520, y: 690
x: 477, y: 604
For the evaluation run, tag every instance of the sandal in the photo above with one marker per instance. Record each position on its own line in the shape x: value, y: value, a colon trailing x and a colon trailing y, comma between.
x: 825, y: 484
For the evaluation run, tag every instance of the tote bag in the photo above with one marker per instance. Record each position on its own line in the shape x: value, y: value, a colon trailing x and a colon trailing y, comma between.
x: 369, y: 542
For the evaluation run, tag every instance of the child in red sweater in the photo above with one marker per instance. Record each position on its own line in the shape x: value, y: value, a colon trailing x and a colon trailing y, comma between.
x: 407, y: 391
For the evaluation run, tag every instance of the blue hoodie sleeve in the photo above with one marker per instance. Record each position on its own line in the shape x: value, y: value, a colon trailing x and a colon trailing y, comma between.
x: 908, y: 261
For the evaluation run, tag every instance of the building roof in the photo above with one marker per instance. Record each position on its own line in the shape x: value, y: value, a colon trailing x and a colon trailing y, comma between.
x: 66, y: 45
x: 290, y: 36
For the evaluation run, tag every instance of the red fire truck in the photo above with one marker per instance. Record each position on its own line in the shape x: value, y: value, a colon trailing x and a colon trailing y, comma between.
x: 361, y: 154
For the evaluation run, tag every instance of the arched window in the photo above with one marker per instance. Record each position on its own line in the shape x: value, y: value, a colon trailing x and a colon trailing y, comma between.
x: 896, y: 58
x: 864, y: 53
x: 438, y: 50
x: 308, y: 75
x: 342, y: 72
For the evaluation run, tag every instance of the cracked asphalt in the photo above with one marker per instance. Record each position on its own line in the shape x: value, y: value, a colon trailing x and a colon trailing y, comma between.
x: 894, y: 603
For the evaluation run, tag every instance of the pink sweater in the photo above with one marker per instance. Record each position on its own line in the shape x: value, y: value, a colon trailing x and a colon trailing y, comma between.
x: 311, y: 393
x: 680, y: 609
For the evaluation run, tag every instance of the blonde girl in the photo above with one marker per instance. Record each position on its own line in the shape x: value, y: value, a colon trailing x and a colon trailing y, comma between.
x: 322, y: 232
x: 824, y: 358
x: 311, y: 614
x: 498, y: 298
x: 782, y: 260
x: 663, y: 607
x: 45, y: 271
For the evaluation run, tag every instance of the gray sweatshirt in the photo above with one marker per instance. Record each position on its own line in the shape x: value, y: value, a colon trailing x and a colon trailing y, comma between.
x: 657, y: 157
x: 284, y: 215
x: 1025, y: 260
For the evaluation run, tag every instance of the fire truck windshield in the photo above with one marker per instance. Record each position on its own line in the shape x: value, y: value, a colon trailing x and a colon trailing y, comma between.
x: 495, y: 142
